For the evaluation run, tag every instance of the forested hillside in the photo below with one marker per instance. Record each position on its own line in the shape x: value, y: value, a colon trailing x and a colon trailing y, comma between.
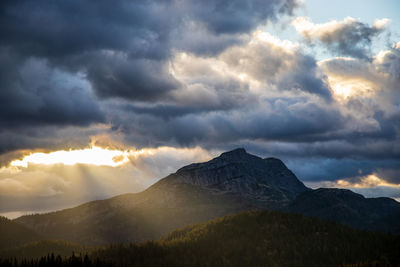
x: 14, y: 234
x: 248, y: 239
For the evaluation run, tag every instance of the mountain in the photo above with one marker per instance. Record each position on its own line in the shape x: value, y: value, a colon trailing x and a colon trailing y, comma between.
x: 347, y: 207
x: 263, y: 182
x: 233, y: 182
x: 258, y: 238
x: 14, y: 234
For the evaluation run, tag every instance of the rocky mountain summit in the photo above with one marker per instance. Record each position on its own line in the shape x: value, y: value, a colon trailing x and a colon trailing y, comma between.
x: 266, y: 182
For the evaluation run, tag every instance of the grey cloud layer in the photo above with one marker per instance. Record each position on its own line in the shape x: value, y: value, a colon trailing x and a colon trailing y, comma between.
x: 55, y: 55
x: 32, y: 93
x: 64, y: 33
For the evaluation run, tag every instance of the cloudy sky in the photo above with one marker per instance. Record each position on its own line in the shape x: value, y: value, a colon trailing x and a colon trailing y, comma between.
x: 99, y: 99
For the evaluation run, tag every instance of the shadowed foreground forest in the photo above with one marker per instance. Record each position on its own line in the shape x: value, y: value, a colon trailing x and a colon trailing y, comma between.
x: 246, y: 239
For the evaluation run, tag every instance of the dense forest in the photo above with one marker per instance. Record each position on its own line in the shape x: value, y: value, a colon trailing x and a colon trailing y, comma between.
x: 247, y: 239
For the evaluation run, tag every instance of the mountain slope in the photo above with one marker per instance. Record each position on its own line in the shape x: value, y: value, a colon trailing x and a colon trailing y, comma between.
x: 347, y: 207
x: 14, y: 234
x: 259, y: 239
x: 235, y: 181
x: 133, y: 217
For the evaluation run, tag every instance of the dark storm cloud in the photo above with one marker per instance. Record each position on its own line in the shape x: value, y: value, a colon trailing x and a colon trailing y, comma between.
x: 138, y: 26
x: 348, y: 37
x: 196, y: 38
x: 168, y: 111
x: 113, y: 76
x: 58, y: 29
x: 331, y: 161
x: 56, y: 54
x: 289, y: 120
x: 33, y: 94
x: 390, y: 173
x: 45, y: 138
x: 353, y: 170
x: 336, y: 159
x: 141, y: 30
x: 224, y: 16
x: 304, y: 77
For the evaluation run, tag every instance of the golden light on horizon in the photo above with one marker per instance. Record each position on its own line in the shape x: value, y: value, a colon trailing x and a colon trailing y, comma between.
x: 93, y: 156
x: 368, y: 181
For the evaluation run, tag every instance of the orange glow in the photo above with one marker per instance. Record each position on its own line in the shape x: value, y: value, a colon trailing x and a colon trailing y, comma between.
x: 366, y: 182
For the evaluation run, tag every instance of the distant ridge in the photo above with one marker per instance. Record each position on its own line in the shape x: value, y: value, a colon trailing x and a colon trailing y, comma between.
x: 347, y: 207
x: 233, y: 182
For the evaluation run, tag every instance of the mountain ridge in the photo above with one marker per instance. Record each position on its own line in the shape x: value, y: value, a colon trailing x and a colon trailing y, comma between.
x: 233, y: 182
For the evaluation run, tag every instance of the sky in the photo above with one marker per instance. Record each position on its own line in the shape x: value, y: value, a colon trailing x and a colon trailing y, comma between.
x: 100, y: 99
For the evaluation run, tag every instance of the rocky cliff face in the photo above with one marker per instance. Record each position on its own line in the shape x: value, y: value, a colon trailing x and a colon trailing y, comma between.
x: 266, y: 182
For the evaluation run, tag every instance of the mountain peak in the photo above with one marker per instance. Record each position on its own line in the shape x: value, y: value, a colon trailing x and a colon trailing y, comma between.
x: 235, y: 154
x: 236, y: 151
x: 237, y: 172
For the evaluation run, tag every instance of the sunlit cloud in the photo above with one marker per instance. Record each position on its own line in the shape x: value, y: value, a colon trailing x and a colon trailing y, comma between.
x: 60, y: 179
x: 368, y: 181
x: 346, y: 88
x: 369, y: 186
x: 348, y: 77
x: 381, y: 23
x: 92, y: 156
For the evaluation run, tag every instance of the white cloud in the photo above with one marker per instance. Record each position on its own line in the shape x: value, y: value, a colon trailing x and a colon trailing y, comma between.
x: 348, y: 37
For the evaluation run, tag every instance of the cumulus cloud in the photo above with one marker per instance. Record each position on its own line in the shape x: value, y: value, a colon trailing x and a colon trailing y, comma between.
x: 349, y: 37
x: 367, y: 83
x: 140, y: 79
x: 281, y: 63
